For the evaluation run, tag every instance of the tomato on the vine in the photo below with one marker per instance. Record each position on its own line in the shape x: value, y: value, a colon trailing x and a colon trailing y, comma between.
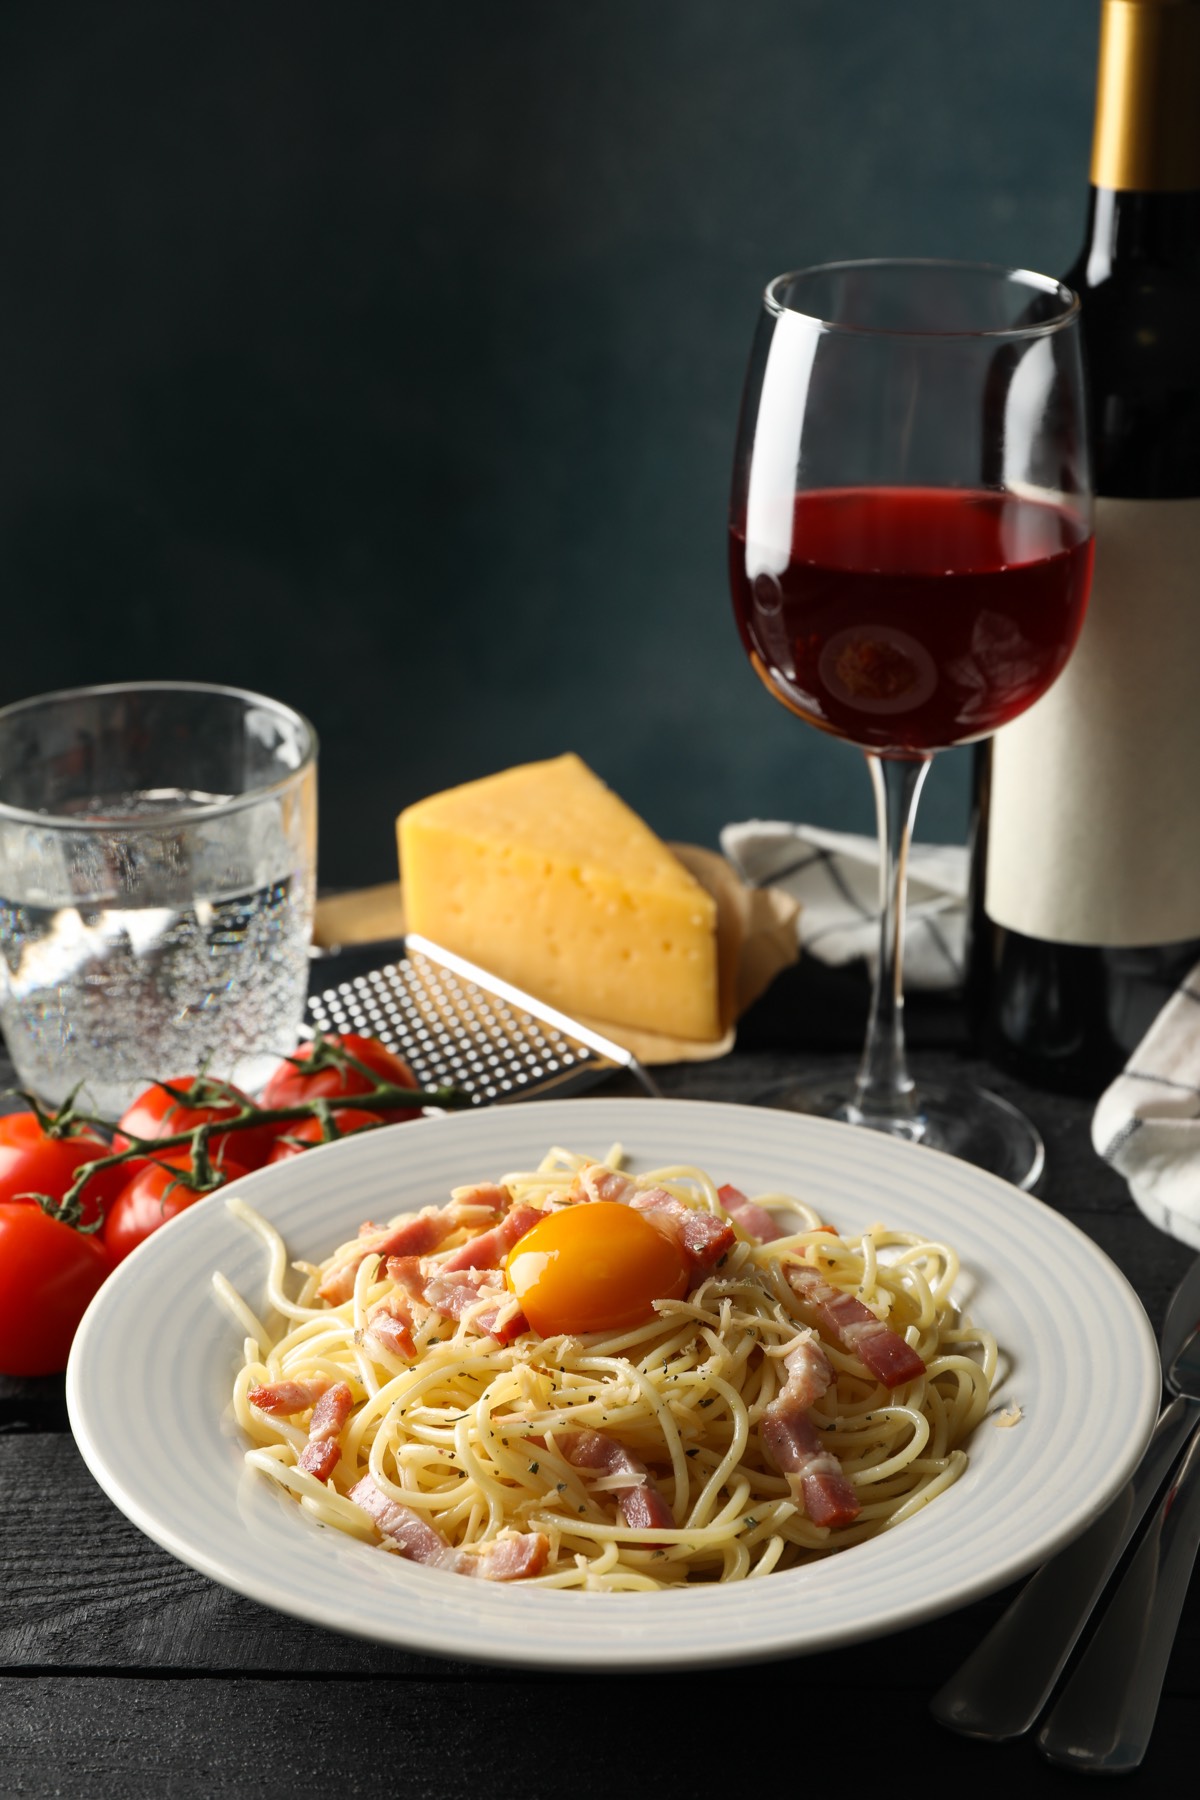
x: 156, y: 1113
x: 291, y: 1086
x: 302, y: 1133
x: 154, y: 1195
x: 32, y: 1161
x: 48, y: 1274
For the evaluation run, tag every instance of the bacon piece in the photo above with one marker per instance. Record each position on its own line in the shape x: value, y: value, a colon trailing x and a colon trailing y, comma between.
x: 320, y: 1455
x: 486, y: 1250
x: 391, y: 1323
x: 703, y: 1238
x: 887, y: 1355
x: 454, y: 1292
x: 748, y: 1216
x: 414, y: 1235
x: 793, y: 1443
x: 406, y: 1529
x: 810, y: 1372
x: 642, y: 1504
x: 485, y: 1194
x: 503, y: 1329
x: 596, y: 1182
x: 814, y: 1474
x: 408, y: 1273
x: 282, y: 1398
x: 504, y: 1559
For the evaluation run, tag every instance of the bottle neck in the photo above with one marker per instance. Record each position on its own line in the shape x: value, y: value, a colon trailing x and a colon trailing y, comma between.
x: 1128, y: 229
x: 1146, y: 138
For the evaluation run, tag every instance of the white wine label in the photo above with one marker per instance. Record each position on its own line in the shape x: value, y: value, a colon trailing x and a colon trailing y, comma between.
x: 1094, y: 822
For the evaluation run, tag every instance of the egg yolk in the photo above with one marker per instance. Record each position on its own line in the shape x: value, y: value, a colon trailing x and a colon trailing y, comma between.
x: 595, y: 1266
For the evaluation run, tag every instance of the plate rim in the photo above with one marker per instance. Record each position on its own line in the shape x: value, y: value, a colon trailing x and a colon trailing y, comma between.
x: 642, y: 1648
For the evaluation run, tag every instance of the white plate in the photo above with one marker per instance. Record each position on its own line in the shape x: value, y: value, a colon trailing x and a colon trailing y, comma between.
x: 153, y: 1362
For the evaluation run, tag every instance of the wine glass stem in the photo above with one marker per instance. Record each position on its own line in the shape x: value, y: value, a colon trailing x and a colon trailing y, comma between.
x: 884, y: 1092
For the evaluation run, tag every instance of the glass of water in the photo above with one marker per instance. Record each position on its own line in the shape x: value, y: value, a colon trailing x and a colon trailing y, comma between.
x: 157, y: 881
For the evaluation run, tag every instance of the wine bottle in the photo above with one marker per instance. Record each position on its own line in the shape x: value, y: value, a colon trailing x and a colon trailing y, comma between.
x: 1085, y: 910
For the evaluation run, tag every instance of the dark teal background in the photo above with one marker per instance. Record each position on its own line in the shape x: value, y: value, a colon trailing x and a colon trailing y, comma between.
x: 387, y: 358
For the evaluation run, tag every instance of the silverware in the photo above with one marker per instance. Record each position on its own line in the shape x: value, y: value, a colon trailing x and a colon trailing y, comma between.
x: 1103, y: 1720
x: 456, y: 1023
x: 1003, y: 1686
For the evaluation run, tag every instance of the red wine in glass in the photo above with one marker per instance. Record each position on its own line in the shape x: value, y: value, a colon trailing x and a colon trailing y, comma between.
x: 907, y: 620
x: 910, y: 559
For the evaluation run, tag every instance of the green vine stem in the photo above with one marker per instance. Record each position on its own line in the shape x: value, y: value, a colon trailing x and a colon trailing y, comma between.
x: 204, y: 1173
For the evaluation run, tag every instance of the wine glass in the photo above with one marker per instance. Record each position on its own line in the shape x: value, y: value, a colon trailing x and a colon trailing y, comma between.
x: 910, y: 557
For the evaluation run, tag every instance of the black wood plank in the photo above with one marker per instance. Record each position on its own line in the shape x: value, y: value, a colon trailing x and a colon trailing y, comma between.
x: 213, y: 1739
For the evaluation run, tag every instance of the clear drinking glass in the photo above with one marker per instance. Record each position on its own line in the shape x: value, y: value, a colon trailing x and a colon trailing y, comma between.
x: 157, y: 882
x: 910, y: 556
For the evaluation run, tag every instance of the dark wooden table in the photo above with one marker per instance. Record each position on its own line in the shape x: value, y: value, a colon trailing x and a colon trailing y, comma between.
x: 124, y: 1673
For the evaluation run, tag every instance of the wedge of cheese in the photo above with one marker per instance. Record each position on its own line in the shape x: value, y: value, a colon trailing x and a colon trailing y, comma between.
x: 544, y: 877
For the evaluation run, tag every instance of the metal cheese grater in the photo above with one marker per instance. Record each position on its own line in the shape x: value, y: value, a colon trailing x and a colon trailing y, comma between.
x: 454, y: 1022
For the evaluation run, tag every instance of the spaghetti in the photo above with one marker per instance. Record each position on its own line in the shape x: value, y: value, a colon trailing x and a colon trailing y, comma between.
x: 801, y: 1392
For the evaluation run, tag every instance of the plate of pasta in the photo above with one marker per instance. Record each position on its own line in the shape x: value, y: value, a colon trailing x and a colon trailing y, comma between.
x: 614, y: 1384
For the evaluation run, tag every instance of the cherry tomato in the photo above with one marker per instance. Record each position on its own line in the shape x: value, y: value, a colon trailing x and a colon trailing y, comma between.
x: 48, y: 1274
x: 152, y: 1197
x: 290, y: 1086
x: 157, y: 1114
x: 301, y: 1133
x: 31, y: 1162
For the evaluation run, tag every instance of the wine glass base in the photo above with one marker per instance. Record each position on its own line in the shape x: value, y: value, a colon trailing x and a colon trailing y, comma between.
x: 967, y: 1122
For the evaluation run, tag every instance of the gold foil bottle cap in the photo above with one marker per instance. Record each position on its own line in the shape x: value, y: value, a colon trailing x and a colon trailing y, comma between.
x: 1147, y: 135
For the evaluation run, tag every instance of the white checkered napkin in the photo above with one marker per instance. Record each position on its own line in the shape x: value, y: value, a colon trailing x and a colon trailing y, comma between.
x: 1147, y: 1123
x: 835, y: 877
